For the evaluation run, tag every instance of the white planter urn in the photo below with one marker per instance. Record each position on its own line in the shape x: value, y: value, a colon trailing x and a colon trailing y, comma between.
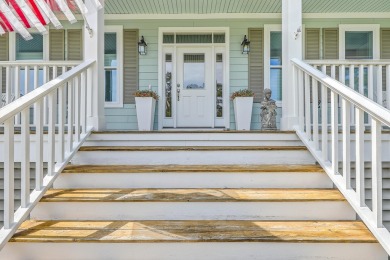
x: 243, y: 112
x: 145, y: 107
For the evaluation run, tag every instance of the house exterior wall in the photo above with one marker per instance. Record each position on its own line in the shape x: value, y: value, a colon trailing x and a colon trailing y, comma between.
x: 125, y: 118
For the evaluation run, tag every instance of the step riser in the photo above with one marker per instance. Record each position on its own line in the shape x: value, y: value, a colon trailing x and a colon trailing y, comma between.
x: 193, y: 251
x: 323, y: 210
x: 200, y: 142
x: 192, y: 180
x: 193, y: 157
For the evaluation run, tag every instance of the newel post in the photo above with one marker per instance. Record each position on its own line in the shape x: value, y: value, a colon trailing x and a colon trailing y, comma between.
x: 93, y: 34
x: 292, y: 48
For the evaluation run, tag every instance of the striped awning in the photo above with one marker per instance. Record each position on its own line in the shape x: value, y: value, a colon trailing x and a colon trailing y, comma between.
x: 20, y: 15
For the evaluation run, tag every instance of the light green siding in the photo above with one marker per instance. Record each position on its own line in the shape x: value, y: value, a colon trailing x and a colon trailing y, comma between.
x: 148, y: 64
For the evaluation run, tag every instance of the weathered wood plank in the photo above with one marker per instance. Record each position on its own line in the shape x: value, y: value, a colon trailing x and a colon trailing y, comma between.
x: 192, y: 195
x: 194, y: 231
x: 191, y: 148
x: 189, y: 168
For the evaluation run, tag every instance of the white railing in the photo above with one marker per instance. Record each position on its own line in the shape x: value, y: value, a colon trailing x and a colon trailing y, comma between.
x: 69, y: 105
x: 17, y: 78
x: 371, y: 78
x: 312, y: 86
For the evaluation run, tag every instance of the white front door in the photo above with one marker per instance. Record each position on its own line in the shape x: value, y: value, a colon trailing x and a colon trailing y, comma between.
x: 194, y: 90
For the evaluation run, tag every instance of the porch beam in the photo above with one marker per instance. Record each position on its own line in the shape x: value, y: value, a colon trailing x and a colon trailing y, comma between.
x: 94, y: 50
x: 292, y: 48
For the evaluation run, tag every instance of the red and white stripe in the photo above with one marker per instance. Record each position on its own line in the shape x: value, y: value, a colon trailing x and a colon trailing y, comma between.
x: 34, y: 21
x: 48, y: 12
x: 66, y: 10
x: 9, y: 16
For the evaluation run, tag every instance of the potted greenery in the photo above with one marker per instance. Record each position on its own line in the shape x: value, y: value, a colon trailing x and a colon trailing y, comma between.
x: 145, y: 104
x: 243, y: 103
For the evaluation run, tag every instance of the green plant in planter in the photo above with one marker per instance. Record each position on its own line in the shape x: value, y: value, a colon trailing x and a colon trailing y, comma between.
x: 146, y: 93
x: 242, y: 93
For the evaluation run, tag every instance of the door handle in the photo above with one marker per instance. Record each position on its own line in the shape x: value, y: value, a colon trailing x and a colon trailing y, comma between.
x: 178, y: 92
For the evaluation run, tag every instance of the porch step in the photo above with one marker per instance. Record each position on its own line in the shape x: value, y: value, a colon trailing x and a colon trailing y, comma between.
x: 209, y: 155
x: 193, y: 204
x: 201, y: 239
x: 192, y: 176
x: 194, y: 138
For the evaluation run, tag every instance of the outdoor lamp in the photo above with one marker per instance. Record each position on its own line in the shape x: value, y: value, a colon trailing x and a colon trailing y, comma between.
x: 245, y: 46
x: 142, y: 46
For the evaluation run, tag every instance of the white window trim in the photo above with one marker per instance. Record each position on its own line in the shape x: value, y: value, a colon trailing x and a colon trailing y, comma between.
x: 118, y: 29
x: 268, y: 28
x: 12, y: 45
x: 375, y: 28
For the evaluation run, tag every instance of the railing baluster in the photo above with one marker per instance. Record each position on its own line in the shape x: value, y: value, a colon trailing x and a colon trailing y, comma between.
x: 335, y: 132
x: 9, y: 173
x: 376, y: 172
x: 70, y: 115
x: 360, y: 185
x: 51, y: 133
x: 16, y: 91
x: 371, y: 82
x: 25, y: 163
x: 379, y: 87
x: 352, y: 76
x: 307, y: 107
x: 39, y: 145
x: 342, y: 74
x: 333, y: 71
x: 26, y: 79
x: 361, y: 79
x: 45, y: 102
x: 315, y: 114
x: 388, y: 86
x: 301, y: 103
x: 8, y: 85
x: 61, y: 121
x: 84, y: 103
x: 77, y: 108
x: 346, y: 110
x: 324, y: 119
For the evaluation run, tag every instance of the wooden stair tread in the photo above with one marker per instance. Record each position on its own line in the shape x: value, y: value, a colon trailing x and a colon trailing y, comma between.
x: 194, y: 231
x: 190, y: 148
x: 189, y: 168
x: 192, y: 195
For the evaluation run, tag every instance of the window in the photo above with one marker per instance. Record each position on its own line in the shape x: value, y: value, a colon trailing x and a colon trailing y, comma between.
x: 358, y: 45
x: 276, y: 65
x: 31, y: 49
x: 273, y: 60
x: 113, y: 38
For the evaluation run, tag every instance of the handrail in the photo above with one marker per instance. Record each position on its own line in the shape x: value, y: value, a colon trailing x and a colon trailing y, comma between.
x: 62, y: 104
x: 380, y: 113
x: 40, y: 63
x: 30, y: 98
x: 348, y: 62
x: 313, y: 87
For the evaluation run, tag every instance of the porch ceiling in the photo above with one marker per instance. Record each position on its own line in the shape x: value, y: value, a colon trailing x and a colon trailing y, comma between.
x: 235, y: 6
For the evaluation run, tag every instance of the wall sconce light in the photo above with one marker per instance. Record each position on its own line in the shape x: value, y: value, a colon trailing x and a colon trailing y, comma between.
x: 297, y: 32
x: 245, y: 46
x: 142, y: 46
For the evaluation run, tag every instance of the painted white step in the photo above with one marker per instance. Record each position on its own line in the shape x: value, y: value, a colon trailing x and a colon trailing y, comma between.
x: 193, y: 204
x: 192, y: 176
x: 183, y: 155
x: 193, y: 240
x: 194, y: 138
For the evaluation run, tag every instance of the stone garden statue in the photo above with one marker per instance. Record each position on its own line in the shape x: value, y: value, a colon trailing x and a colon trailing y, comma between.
x: 268, y: 111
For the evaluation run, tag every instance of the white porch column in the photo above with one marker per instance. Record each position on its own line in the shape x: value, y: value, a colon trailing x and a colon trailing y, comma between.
x: 292, y: 48
x: 94, y: 50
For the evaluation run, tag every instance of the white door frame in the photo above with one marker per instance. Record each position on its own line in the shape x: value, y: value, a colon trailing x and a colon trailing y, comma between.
x: 171, y: 48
